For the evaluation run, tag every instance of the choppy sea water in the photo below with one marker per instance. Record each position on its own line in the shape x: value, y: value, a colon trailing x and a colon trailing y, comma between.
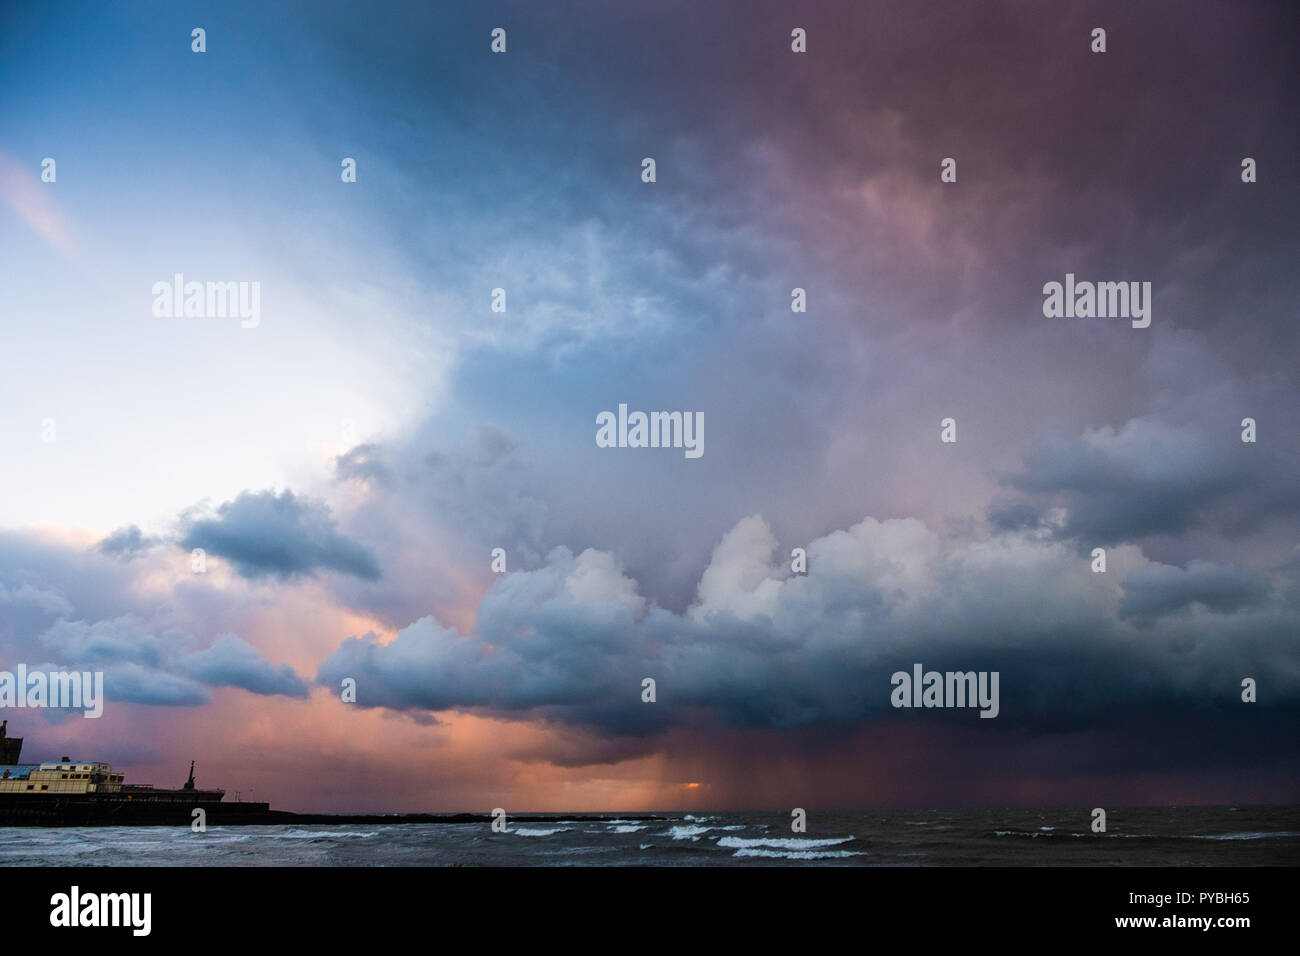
x: 1176, y: 836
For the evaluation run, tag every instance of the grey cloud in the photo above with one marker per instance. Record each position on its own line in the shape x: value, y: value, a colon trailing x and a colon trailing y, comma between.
x: 439, y: 496
x: 489, y: 445
x: 1121, y: 485
x: 761, y: 648
x: 364, y: 462
x: 264, y: 534
x: 43, y: 579
x: 1159, y: 589
x: 164, y: 668
x: 134, y: 684
x: 231, y: 662
x: 1178, y: 466
x: 41, y: 599
x: 117, y: 640
x: 126, y: 543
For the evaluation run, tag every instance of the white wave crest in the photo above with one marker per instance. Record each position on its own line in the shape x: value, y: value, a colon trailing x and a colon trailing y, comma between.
x: 796, y: 854
x: 1242, y: 836
x: 782, y: 843
x: 686, y: 833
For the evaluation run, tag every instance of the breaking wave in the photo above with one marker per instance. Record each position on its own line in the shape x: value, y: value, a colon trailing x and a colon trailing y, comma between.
x: 781, y: 843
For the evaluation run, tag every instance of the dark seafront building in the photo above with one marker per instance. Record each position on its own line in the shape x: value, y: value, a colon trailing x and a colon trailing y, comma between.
x: 71, y: 792
x: 74, y: 793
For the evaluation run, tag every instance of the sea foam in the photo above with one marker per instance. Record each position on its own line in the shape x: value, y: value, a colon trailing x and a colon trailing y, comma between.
x: 783, y: 843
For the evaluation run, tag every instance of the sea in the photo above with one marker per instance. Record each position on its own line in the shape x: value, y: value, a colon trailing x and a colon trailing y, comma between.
x: 1167, y: 836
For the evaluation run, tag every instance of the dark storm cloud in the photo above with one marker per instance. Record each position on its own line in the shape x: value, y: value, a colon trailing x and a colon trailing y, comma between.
x: 1125, y: 163
x: 1158, y: 589
x: 577, y: 618
x: 762, y: 649
x: 265, y: 534
x: 1179, y: 466
x: 1123, y: 486
x: 821, y: 170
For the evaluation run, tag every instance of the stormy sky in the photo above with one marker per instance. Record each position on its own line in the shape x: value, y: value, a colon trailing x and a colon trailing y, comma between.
x: 349, y: 464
